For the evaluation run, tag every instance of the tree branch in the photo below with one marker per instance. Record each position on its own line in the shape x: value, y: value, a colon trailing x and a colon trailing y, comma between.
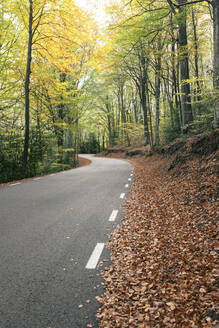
x: 172, y: 4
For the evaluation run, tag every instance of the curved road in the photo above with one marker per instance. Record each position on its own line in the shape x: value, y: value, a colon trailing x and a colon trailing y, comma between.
x: 52, y: 236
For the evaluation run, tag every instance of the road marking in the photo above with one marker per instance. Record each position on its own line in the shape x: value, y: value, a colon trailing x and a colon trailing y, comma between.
x: 122, y: 195
x: 36, y: 179
x: 95, y: 256
x: 127, y: 185
x: 14, y: 184
x: 131, y: 175
x: 113, y: 215
x: 129, y: 179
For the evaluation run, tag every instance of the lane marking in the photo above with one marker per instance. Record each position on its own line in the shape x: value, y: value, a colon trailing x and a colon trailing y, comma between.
x: 129, y: 179
x: 127, y: 185
x: 131, y: 175
x: 14, y: 184
x: 36, y: 179
x: 122, y: 195
x: 95, y: 256
x: 113, y: 215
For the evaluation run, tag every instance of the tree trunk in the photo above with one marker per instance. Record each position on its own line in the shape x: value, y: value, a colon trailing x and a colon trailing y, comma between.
x: 145, y: 114
x: 27, y: 90
x: 157, y: 96
x: 178, y: 86
x: 150, y: 131
x: 198, y: 87
x: 216, y: 61
x: 170, y: 102
x: 119, y: 114
x: 60, y: 140
x: 173, y: 64
x: 103, y: 142
x: 187, y: 116
x: 123, y: 115
x: 109, y: 123
x: 61, y: 130
x: 144, y: 99
x: 135, y: 106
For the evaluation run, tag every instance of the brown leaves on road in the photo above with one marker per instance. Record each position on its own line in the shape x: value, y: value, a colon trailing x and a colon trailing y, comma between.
x: 164, y: 253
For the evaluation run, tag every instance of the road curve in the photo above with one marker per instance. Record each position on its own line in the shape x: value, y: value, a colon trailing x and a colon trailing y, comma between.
x: 49, y: 228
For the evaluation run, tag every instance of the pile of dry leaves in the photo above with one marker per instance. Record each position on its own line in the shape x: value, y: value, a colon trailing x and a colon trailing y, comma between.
x: 164, y: 252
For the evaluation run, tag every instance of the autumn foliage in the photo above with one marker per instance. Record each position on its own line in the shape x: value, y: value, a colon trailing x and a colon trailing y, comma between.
x: 163, y: 271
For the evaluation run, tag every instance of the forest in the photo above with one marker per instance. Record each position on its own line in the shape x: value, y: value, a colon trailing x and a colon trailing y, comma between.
x: 69, y: 86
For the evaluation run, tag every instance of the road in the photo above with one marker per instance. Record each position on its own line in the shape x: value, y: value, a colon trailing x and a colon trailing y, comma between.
x: 49, y: 229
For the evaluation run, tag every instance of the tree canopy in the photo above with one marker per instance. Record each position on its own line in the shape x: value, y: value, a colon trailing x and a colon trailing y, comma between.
x: 68, y: 85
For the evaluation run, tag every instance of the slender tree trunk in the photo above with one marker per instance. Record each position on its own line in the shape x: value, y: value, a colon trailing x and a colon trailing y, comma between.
x: 135, y: 111
x: 61, y: 116
x: 157, y: 95
x: 119, y: 114
x: 123, y: 115
x: 178, y: 86
x: 27, y: 90
x: 145, y: 114
x: 144, y: 99
x: 60, y: 140
x: 187, y: 116
x: 216, y: 61
x: 175, y: 115
x: 109, y: 123
x: 198, y: 87
x: 103, y: 142
x: 38, y: 130
x: 173, y: 62
x: 150, y: 132
x: 170, y: 102
x: 135, y: 105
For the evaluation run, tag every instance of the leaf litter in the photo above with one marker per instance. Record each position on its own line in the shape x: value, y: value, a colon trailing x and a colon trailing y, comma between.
x: 163, y: 271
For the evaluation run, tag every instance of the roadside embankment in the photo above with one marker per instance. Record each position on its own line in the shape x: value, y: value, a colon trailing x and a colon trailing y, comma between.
x: 163, y: 271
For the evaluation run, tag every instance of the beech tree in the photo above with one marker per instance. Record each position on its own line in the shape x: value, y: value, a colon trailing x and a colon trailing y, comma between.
x: 41, y: 41
x: 216, y: 59
x: 168, y: 76
x: 146, y: 77
x: 215, y: 6
x: 187, y: 115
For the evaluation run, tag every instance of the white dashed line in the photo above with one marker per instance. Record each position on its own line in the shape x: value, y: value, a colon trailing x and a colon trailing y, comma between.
x: 122, y: 195
x: 113, y: 215
x: 131, y: 175
x: 94, y: 258
x: 127, y: 185
x: 129, y: 179
x: 36, y: 179
x: 14, y: 184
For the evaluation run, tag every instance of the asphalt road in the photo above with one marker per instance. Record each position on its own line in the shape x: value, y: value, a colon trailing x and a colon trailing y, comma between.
x: 49, y: 228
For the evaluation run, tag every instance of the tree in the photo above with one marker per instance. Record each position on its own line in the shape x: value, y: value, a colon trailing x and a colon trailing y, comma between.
x: 41, y: 41
x: 215, y: 6
x: 187, y: 115
x: 216, y: 59
x: 27, y: 88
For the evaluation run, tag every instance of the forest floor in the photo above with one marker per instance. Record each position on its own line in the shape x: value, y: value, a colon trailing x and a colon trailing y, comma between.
x: 81, y: 162
x: 163, y: 271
